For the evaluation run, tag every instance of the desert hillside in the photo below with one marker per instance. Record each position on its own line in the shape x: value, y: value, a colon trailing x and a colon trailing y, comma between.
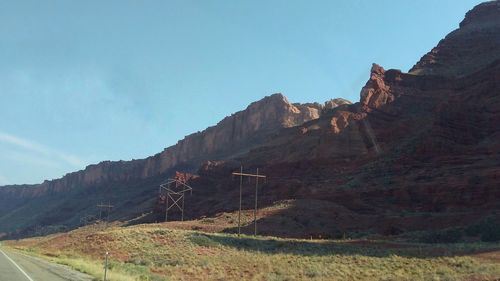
x: 419, y: 151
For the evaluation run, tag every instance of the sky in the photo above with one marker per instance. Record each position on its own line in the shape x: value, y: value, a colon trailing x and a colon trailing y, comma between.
x: 86, y: 81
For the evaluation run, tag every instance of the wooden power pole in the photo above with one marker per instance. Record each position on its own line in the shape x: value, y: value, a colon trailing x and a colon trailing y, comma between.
x: 108, y: 208
x: 256, y: 176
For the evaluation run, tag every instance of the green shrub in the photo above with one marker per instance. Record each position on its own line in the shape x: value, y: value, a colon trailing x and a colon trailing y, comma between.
x: 443, y: 236
x: 139, y: 261
x: 491, y: 233
x: 160, y: 232
x: 488, y: 230
x: 473, y: 230
x: 202, y: 240
x: 314, y: 271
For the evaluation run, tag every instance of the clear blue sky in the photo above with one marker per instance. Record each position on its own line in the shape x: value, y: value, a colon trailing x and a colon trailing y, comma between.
x: 87, y: 81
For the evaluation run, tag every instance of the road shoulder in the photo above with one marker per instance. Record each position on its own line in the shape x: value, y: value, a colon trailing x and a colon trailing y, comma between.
x: 43, y: 270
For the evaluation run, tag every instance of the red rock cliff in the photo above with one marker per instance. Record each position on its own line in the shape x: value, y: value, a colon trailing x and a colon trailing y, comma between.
x: 468, y: 49
x: 234, y: 135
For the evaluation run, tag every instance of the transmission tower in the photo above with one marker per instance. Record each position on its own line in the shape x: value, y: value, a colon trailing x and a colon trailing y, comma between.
x: 174, y: 191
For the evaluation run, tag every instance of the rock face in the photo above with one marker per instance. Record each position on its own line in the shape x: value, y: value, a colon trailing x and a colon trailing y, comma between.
x: 232, y: 136
x: 334, y: 103
x: 235, y: 134
x: 468, y: 49
x: 375, y: 93
x: 424, y: 142
x: 137, y: 180
x: 418, y: 142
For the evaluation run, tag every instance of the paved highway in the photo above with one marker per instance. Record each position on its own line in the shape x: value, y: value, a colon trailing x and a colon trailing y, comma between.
x: 19, y: 267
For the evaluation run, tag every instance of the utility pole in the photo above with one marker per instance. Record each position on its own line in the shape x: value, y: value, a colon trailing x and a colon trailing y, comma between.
x: 241, y: 191
x: 106, y: 266
x: 256, y: 176
x: 108, y: 208
x: 255, y: 210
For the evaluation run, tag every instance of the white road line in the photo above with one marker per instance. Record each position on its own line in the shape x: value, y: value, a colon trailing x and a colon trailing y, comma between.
x: 18, y: 267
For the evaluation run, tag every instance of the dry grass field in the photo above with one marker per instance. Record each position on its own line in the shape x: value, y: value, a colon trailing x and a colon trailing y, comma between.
x: 155, y: 252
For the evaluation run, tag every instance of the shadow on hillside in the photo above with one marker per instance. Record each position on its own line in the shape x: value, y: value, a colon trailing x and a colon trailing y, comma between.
x: 346, y: 248
x: 326, y: 220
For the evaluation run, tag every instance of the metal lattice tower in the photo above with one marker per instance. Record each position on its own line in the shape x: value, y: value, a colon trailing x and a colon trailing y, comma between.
x: 174, y: 190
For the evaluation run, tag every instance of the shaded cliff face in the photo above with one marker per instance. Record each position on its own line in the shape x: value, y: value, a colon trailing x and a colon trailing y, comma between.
x: 468, y: 49
x: 393, y: 106
x: 234, y: 135
x: 437, y: 164
x: 132, y: 185
x: 424, y: 143
x: 419, y: 142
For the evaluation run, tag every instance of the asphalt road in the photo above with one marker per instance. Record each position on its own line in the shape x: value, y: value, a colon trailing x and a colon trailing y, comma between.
x: 19, y: 267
